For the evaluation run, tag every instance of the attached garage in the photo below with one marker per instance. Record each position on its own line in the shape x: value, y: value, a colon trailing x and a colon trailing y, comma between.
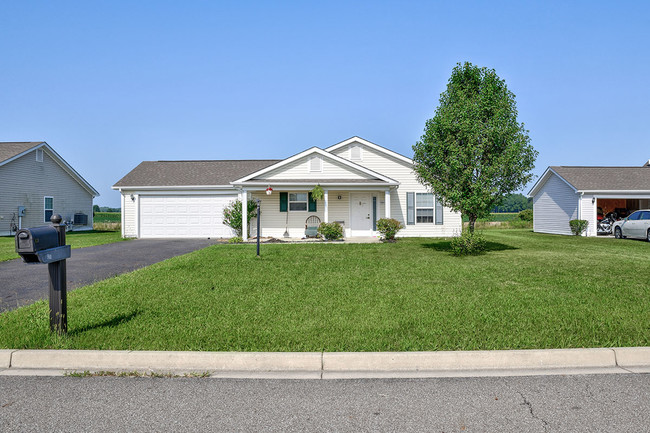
x: 564, y: 193
x: 181, y: 199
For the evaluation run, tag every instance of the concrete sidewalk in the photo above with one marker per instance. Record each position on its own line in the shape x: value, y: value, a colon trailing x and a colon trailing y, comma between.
x: 332, y: 365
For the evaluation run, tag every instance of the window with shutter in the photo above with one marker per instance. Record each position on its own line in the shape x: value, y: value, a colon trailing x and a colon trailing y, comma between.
x: 439, y: 211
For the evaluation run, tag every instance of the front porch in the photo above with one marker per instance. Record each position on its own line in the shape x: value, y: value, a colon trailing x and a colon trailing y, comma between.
x: 284, y: 212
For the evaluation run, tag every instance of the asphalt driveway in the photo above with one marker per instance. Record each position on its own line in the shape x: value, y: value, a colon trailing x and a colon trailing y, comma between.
x: 22, y: 284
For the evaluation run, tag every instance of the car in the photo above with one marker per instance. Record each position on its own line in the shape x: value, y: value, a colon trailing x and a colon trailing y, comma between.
x: 637, y: 225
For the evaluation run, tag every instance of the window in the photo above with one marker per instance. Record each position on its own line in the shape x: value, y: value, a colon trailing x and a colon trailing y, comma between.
x: 39, y: 155
x: 298, y: 201
x: 645, y: 215
x: 315, y: 164
x: 439, y: 211
x: 423, y: 207
x: 410, y: 208
x: 635, y: 216
x: 355, y: 152
x: 49, y: 208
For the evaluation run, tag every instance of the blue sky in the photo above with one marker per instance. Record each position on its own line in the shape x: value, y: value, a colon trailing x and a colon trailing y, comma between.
x: 109, y: 84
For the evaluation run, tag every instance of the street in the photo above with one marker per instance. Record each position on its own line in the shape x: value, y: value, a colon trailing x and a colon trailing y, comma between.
x: 580, y: 403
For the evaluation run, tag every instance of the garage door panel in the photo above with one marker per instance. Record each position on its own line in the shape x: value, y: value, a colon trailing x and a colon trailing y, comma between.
x: 184, y: 216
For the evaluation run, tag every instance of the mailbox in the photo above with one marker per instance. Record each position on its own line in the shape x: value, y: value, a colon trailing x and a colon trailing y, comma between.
x: 40, y: 245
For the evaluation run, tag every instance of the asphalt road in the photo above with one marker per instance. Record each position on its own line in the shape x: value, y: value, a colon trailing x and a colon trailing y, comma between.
x: 590, y: 403
x: 22, y: 283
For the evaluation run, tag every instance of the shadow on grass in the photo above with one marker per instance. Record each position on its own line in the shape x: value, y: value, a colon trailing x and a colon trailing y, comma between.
x: 445, y: 246
x: 115, y: 321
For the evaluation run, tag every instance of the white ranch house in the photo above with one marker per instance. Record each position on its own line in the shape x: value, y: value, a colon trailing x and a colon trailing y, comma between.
x: 362, y: 183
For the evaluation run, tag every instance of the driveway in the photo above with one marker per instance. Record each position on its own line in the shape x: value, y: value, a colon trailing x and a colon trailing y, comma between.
x: 22, y: 284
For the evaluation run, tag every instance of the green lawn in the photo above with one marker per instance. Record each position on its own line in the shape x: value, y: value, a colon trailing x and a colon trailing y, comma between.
x: 75, y: 239
x: 502, y: 217
x: 529, y: 291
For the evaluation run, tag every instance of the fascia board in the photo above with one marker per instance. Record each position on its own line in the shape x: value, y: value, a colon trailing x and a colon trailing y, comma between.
x: 307, y: 152
x: 371, y: 145
x: 542, y: 180
x: 322, y: 183
x: 177, y: 187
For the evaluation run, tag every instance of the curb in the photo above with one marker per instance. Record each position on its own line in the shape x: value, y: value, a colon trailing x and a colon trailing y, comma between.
x: 317, y: 365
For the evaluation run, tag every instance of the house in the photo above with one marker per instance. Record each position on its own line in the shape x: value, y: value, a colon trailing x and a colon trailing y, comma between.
x: 362, y: 183
x: 565, y: 193
x: 36, y: 183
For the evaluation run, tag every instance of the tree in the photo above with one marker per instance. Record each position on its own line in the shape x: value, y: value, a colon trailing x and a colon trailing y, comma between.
x: 233, y: 212
x: 96, y: 208
x: 473, y: 151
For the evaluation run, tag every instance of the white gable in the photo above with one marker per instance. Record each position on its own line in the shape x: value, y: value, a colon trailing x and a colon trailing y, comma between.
x: 308, y: 166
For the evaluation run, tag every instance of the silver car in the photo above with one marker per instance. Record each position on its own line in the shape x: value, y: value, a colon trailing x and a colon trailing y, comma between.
x: 637, y: 225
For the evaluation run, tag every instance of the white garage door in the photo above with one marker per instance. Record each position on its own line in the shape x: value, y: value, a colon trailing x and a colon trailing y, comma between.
x: 184, y: 216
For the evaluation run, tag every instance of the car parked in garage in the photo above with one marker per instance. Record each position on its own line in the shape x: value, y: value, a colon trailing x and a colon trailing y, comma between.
x: 637, y: 225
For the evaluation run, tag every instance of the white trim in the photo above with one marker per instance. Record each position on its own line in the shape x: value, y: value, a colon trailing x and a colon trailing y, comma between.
x: 314, y: 150
x: 232, y: 191
x: 630, y: 196
x: 326, y: 213
x: 306, y: 201
x: 137, y: 214
x: 370, y: 145
x: 319, y: 162
x: 120, y: 188
x: 122, y: 202
x: 387, y: 203
x: 243, y: 197
x: 542, y: 180
x: 433, y: 208
x: 624, y: 192
x: 322, y: 182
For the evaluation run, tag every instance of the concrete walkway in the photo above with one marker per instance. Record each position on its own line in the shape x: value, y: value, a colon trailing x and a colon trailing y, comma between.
x: 332, y: 365
x: 22, y: 284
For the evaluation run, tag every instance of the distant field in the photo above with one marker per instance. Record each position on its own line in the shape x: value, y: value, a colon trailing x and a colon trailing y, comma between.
x: 505, y: 216
x: 107, y: 217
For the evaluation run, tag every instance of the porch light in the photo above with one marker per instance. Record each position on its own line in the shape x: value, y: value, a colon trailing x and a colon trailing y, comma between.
x: 269, y: 190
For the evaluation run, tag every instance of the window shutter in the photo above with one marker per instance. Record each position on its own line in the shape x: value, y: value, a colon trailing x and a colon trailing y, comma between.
x: 312, y: 204
x: 410, y: 208
x: 284, y: 201
x: 438, y: 211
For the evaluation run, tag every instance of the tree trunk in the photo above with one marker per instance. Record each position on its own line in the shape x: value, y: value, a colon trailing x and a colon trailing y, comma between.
x: 472, y: 221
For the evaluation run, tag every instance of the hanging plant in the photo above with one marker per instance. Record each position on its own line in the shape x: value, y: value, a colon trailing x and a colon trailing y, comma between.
x: 317, y: 193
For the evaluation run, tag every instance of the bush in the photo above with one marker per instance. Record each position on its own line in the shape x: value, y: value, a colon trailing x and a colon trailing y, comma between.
x: 388, y: 227
x: 578, y: 226
x: 468, y: 244
x: 235, y: 240
x: 232, y: 215
x: 525, y: 215
x: 330, y: 231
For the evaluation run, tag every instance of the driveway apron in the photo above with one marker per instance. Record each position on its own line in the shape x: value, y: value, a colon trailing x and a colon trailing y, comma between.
x: 22, y: 284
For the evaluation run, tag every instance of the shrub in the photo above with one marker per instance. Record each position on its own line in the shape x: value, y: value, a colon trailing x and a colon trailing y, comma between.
x: 525, y: 215
x: 467, y: 244
x: 388, y: 227
x: 232, y: 215
x: 330, y: 231
x: 235, y: 240
x: 578, y: 226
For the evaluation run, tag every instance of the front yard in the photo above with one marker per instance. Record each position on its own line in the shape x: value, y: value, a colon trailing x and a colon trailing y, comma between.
x: 529, y: 291
x: 75, y: 239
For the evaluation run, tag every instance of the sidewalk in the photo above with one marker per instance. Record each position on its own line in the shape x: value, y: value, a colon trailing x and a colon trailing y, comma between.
x: 332, y: 365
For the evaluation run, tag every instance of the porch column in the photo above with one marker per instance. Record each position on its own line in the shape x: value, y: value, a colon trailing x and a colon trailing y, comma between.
x: 243, y: 196
x: 387, y: 203
x: 326, y: 214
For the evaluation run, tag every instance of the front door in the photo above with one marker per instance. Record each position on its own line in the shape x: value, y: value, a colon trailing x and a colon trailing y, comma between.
x: 360, y: 214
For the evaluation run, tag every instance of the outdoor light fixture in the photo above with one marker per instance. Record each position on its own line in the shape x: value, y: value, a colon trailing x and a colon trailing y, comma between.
x: 593, y: 200
x: 132, y: 197
x: 338, y: 197
x: 269, y: 190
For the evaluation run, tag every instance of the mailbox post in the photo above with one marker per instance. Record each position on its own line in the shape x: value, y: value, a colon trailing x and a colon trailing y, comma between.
x: 58, y: 285
x: 47, y: 245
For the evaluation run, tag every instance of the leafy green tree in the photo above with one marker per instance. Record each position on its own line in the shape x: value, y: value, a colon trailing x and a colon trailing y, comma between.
x: 474, y: 151
x: 233, y: 212
x: 96, y: 208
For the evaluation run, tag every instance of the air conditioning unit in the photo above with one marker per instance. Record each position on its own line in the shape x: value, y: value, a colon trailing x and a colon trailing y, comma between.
x: 80, y: 219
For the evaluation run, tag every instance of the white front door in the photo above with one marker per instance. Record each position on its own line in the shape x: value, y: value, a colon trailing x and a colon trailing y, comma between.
x: 360, y: 214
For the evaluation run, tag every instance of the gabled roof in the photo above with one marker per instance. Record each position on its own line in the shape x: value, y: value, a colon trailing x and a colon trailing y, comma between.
x: 371, y: 145
x: 190, y: 173
x: 315, y: 151
x: 10, y: 151
x: 582, y: 179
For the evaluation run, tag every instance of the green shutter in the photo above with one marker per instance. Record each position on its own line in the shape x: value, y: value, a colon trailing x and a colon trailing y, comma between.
x: 284, y: 201
x: 312, y: 204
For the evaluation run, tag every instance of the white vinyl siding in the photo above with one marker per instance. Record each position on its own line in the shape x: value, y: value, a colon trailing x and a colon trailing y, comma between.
x: 554, y: 205
x: 25, y: 182
x: 403, y: 173
x: 302, y: 169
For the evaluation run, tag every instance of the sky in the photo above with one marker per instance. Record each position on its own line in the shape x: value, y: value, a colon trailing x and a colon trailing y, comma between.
x: 109, y: 84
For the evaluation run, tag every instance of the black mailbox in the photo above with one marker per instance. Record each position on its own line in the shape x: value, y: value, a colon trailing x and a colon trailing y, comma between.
x: 40, y: 245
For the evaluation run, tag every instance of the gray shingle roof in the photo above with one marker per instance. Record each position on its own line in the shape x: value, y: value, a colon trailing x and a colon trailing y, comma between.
x: 606, y: 178
x: 321, y: 181
x: 10, y: 149
x: 188, y: 173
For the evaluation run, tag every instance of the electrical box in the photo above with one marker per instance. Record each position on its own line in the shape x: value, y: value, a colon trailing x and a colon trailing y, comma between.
x: 21, y: 211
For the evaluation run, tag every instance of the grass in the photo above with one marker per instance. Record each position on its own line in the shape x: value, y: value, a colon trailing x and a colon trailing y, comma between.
x: 75, y: 239
x: 529, y: 291
x: 107, y: 217
x: 495, y: 217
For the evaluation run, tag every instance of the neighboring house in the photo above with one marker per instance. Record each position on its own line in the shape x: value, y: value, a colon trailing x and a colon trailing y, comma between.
x: 363, y: 182
x: 37, y: 182
x: 566, y: 193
